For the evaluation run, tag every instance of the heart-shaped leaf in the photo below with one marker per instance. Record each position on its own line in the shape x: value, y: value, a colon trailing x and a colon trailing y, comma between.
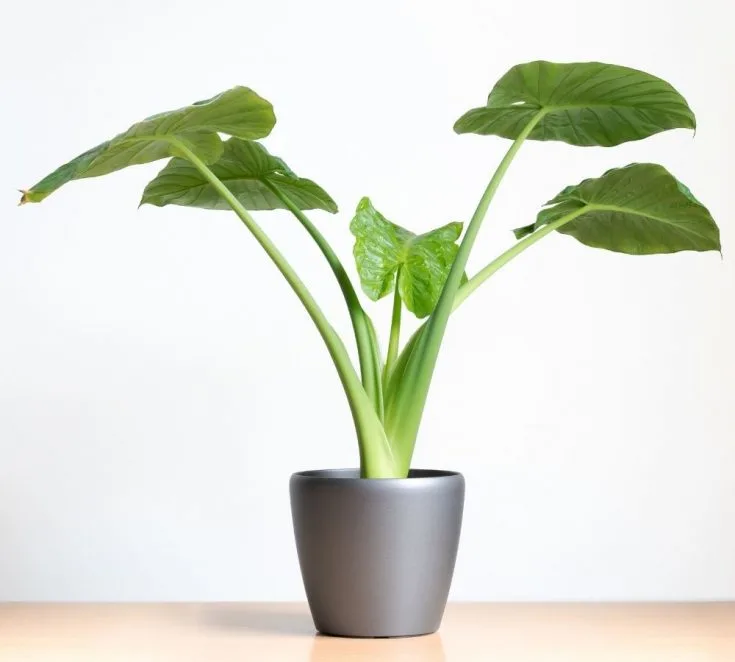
x: 640, y: 209
x: 247, y: 169
x: 422, y: 262
x: 585, y: 103
x: 237, y: 112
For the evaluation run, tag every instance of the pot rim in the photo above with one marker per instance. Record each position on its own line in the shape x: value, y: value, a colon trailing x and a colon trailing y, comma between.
x: 353, y: 475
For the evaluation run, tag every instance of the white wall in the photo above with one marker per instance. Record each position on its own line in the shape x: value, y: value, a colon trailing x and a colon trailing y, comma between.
x: 159, y: 382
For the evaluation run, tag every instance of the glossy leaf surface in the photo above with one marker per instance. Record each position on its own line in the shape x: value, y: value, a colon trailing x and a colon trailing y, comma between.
x: 247, y: 169
x: 384, y: 250
x: 640, y: 209
x: 237, y: 112
x: 585, y: 103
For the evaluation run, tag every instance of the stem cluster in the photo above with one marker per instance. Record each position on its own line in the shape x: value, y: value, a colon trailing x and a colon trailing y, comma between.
x: 386, y: 399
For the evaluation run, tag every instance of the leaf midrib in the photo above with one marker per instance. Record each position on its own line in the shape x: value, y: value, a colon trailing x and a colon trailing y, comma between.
x: 171, y: 138
x: 626, y: 210
x: 545, y: 110
x: 234, y: 178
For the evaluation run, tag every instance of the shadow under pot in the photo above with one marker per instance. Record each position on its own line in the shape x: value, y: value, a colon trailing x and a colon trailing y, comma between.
x: 377, y: 555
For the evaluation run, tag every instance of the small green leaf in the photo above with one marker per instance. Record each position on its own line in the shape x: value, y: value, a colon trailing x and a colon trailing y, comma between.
x: 384, y: 249
x: 237, y: 112
x: 640, y: 209
x: 584, y: 103
x: 246, y: 168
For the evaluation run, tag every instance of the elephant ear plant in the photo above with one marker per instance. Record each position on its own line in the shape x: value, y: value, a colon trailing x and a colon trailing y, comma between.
x: 639, y: 209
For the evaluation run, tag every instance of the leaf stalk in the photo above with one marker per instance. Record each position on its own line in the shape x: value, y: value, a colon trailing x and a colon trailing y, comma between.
x: 368, y: 354
x: 516, y: 249
x: 395, y: 333
x: 376, y: 453
x: 405, y: 408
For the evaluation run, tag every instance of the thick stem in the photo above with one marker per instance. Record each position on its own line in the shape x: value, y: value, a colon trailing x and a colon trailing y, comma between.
x: 376, y: 454
x: 405, y: 409
x: 366, y: 351
x: 395, y: 334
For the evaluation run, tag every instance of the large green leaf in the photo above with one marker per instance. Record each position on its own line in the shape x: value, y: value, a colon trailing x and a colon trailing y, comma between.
x: 247, y: 169
x: 640, y: 209
x: 384, y: 249
x: 237, y: 112
x: 585, y: 103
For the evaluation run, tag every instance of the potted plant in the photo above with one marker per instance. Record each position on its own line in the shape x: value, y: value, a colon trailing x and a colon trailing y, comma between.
x: 377, y: 545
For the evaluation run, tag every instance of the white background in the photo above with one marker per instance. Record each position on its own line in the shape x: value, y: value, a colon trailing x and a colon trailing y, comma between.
x: 159, y: 382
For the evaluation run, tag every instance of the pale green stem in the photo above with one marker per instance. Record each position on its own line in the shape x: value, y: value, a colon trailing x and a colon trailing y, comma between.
x: 404, y: 411
x: 516, y: 249
x: 376, y: 455
x: 484, y: 274
x: 395, y: 334
x: 367, y: 353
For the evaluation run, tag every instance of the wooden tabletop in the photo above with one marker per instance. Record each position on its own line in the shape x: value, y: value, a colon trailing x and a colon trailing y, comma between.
x: 245, y: 632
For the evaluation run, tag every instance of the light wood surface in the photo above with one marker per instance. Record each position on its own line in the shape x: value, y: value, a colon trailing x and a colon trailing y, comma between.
x: 246, y: 632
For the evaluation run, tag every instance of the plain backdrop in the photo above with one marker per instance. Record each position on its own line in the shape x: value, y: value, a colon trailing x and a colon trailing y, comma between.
x: 159, y: 382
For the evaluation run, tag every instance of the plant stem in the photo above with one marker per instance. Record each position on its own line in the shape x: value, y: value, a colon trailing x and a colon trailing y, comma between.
x: 376, y: 454
x: 405, y: 408
x: 478, y: 279
x: 516, y: 249
x: 395, y: 333
x: 368, y: 354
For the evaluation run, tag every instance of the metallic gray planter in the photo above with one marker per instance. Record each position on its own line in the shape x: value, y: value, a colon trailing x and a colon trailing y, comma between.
x: 377, y: 556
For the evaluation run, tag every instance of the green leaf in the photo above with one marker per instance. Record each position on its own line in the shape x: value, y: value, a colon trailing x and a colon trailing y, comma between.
x: 384, y: 249
x: 524, y: 231
x: 584, y: 103
x: 247, y: 169
x: 237, y: 112
x: 640, y: 209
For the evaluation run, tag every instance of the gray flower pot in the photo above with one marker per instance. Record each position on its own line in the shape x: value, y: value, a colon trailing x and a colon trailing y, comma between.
x: 377, y: 556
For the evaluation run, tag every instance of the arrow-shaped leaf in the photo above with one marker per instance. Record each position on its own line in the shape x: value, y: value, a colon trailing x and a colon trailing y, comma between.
x: 640, y: 209
x: 236, y: 112
x: 384, y: 249
x: 583, y: 103
x: 247, y: 169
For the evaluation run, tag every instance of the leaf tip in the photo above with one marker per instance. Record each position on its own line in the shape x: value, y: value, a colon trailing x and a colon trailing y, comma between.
x: 25, y: 197
x: 459, y: 126
x: 519, y: 233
